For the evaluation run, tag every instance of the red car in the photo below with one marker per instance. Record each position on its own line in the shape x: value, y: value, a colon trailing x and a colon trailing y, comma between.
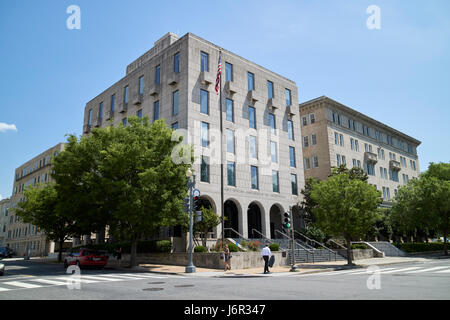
x: 86, y: 258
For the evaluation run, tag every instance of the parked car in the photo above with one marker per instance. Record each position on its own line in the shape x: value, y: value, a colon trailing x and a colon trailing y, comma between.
x: 2, y: 269
x: 86, y: 258
x: 6, y: 252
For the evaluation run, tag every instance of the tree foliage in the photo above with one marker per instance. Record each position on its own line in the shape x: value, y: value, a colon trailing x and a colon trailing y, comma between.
x: 210, y: 220
x: 346, y: 206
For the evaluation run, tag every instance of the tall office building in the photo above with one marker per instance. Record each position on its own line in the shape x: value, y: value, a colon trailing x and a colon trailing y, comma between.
x: 260, y: 153
x: 25, y: 236
x: 334, y: 134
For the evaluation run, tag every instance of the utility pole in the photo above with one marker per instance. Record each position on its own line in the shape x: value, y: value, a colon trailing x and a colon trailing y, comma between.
x: 293, y: 267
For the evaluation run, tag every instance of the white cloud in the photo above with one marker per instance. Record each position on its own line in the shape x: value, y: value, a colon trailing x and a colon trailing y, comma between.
x: 5, y: 127
x: 1, y: 197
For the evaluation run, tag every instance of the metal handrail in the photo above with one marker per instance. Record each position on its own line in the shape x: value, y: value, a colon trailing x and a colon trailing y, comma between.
x: 263, y: 236
x: 310, y: 247
x: 370, y: 246
x: 240, y: 235
x: 320, y: 244
x: 298, y: 244
x: 339, y: 245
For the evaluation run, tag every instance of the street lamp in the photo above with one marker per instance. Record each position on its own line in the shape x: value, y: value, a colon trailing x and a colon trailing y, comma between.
x: 190, y: 268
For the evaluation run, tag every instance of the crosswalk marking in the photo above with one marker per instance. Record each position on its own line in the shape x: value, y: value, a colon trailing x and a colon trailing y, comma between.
x: 373, y: 271
x: 22, y: 284
x: 145, y: 275
x: 444, y: 271
x: 427, y: 270
x: 79, y: 279
x: 398, y: 270
x: 124, y: 277
x: 4, y: 289
x: 100, y: 278
x: 47, y: 281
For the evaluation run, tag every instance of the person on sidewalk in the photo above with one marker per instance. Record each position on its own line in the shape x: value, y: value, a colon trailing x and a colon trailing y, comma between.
x: 266, y: 253
x: 119, y: 256
x: 227, y: 257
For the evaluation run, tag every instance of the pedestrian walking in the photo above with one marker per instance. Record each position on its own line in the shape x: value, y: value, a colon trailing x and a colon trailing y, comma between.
x: 227, y: 257
x: 266, y: 253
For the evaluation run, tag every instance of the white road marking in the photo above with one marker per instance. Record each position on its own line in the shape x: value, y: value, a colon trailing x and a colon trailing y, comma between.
x: 146, y: 275
x: 123, y: 277
x: 426, y: 270
x: 22, y: 284
x: 444, y: 271
x: 47, y: 281
x: 399, y: 270
x: 4, y: 289
x: 100, y: 278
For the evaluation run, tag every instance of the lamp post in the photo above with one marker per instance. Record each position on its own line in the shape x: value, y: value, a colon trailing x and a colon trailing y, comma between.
x: 190, y: 268
x: 294, y: 268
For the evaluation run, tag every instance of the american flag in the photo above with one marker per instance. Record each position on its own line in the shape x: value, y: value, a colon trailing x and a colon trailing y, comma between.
x: 219, y: 73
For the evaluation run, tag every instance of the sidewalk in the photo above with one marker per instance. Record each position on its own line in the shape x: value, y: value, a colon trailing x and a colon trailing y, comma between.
x: 303, y: 268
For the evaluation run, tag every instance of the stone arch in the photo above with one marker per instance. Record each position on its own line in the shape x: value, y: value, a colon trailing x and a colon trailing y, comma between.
x: 232, y: 211
x: 276, y: 216
x: 255, y: 219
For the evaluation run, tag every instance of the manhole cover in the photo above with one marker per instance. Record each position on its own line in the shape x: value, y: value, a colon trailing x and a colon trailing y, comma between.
x: 184, y: 286
x: 156, y: 282
x: 153, y: 289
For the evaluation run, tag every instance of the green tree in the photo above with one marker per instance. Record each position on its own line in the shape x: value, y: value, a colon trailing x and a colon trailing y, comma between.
x: 43, y: 208
x: 126, y: 178
x: 346, y: 207
x: 210, y: 220
x: 424, y: 203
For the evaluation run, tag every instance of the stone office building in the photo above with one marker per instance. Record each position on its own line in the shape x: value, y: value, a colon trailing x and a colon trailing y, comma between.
x: 23, y: 236
x: 5, y: 206
x: 334, y: 134
x: 175, y: 81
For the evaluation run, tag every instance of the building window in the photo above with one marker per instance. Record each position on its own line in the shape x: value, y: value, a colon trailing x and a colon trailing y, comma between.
x: 141, y: 85
x: 175, y: 103
x: 124, y: 122
x: 370, y: 169
x: 204, y: 169
x: 315, y: 162
x: 292, y: 156
x: 139, y: 113
x: 275, y: 181
x: 176, y: 62
x: 338, y: 156
x: 272, y: 123
x: 270, y: 89
x: 288, y: 97
x: 254, y: 177
x: 230, y: 141
x: 294, y: 184
x: 204, y: 61
x: 175, y: 125
x: 251, y: 81
x: 290, y: 129
x: 304, y: 121
x: 158, y: 74
x: 231, y: 173
x: 273, y: 151
x: 204, y: 101
x: 100, y: 111
x: 205, y: 134
x: 230, y: 110
x: 155, y: 110
x: 252, y: 117
x: 253, y: 147
x: 312, y: 118
x: 305, y: 142
x: 313, y: 140
x: 356, y: 145
x: 125, y: 95
x: 113, y: 102
x: 90, y: 117
x: 228, y: 71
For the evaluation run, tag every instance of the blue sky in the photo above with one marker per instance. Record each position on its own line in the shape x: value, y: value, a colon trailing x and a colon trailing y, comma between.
x: 398, y: 75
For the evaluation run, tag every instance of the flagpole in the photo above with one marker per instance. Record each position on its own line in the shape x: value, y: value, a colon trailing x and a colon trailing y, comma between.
x: 221, y: 152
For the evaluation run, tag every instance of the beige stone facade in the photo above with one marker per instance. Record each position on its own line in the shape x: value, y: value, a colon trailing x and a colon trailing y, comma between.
x: 21, y: 236
x: 5, y: 206
x: 250, y: 208
x: 343, y: 135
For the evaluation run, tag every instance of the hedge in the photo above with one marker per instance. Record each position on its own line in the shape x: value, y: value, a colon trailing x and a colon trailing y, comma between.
x: 274, y: 247
x: 200, y: 249
x: 422, y: 247
x: 359, y: 246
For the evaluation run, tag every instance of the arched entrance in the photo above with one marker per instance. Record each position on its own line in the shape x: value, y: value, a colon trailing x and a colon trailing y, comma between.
x: 276, y: 216
x: 254, y: 220
x: 231, y: 214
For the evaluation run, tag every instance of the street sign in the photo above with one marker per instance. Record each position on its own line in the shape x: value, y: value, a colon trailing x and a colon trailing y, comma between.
x: 196, y: 191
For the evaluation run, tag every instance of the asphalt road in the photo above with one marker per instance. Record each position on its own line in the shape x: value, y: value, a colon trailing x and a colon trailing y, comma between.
x: 39, y: 281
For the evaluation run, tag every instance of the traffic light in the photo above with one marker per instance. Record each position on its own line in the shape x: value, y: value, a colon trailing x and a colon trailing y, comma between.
x: 287, y: 220
x: 197, y: 204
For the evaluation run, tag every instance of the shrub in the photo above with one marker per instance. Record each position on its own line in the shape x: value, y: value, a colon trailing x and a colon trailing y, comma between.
x: 358, y: 246
x: 233, y: 247
x: 254, y: 245
x: 244, y: 243
x: 200, y: 249
x: 142, y: 246
x: 421, y: 247
x: 274, y: 247
x: 163, y: 246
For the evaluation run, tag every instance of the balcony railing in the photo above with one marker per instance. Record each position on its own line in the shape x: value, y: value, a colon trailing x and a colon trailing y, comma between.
x: 87, y: 128
x: 123, y: 107
x: 253, y: 96
x: 173, y: 79
x: 230, y: 87
x: 371, y: 157
x: 206, y: 78
x: 394, y: 165
x: 273, y: 104
x: 155, y: 89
